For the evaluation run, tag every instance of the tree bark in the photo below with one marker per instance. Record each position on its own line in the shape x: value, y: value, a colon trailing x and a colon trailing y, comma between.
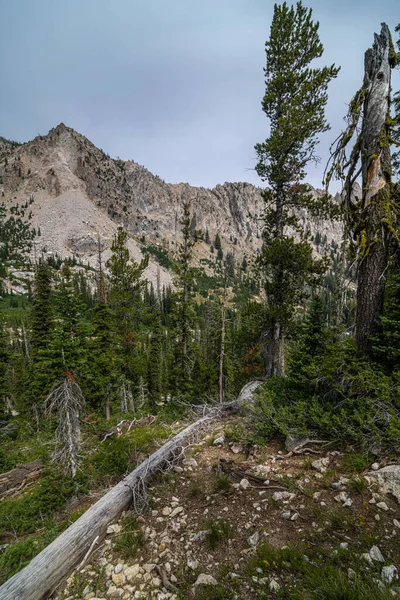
x: 374, y: 234
x: 274, y: 351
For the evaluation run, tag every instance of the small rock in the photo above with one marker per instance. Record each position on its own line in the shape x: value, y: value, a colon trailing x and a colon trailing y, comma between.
x: 366, y: 556
x: 167, y: 510
x: 193, y: 564
x: 351, y: 574
x: 375, y: 466
x: 348, y: 502
x: 204, y: 579
x: 388, y: 574
x: 244, y: 484
x: 176, y: 511
x: 236, y: 448
x: 274, y: 585
x: 131, y: 573
x: 149, y: 567
x: 344, y: 545
x: 219, y: 441
x: 114, y: 528
x: 156, y: 582
x: 382, y: 506
x: 118, y: 578
x: 254, y: 539
x: 320, y: 464
x: 118, y: 568
x: 294, y: 517
x: 396, y: 523
x: 286, y: 515
x: 376, y: 554
x: 189, y: 462
x: 280, y: 495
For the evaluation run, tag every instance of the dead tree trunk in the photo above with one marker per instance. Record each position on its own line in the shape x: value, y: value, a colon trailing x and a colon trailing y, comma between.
x: 376, y: 189
x: 371, y: 219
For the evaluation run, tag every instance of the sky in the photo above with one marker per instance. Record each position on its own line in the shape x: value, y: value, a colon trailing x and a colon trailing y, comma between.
x: 175, y: 85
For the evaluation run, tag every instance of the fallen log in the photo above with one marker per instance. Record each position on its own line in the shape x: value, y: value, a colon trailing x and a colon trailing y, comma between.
x: 20, y: 477
x: 38, y: 579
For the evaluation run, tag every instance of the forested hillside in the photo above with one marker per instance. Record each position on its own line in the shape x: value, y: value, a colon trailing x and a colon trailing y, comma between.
x: 131, y: 308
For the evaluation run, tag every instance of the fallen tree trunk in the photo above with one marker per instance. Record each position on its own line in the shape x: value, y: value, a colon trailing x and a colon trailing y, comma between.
x: 18, y: 478
x: 38, y: 579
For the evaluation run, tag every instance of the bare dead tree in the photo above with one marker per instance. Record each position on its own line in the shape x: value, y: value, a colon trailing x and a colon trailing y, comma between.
x: 371, y: 216
x: 67, y: 403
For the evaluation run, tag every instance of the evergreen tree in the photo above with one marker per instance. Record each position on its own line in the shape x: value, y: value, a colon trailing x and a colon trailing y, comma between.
x: 102, y: 374
x: 155, y: 362
x: 294, y: 102
x: 67, y: 346
x: 386, y: 344
x: 184, y: 310
x: 42, y: 308
x: 125, y: 300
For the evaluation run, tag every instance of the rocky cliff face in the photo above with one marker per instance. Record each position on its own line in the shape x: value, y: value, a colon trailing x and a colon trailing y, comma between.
x: 79, y: 192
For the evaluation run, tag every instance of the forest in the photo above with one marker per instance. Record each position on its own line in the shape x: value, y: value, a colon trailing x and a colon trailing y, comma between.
x: 98, y: 365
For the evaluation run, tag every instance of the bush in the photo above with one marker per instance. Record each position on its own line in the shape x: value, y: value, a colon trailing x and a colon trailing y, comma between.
x: 51, y: 494
x: 338, y: 396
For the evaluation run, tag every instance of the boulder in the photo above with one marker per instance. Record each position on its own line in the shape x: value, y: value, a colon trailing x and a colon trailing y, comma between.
x: 388, y: 479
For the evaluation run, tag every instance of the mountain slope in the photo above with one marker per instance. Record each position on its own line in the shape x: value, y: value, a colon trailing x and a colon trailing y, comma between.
x: 80, y: 193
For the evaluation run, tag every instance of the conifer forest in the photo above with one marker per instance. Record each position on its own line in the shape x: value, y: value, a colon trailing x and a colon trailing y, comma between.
x: 209, y: 413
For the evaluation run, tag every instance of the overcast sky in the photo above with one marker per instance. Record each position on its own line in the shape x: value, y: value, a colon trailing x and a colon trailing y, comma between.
x: 173, y: 85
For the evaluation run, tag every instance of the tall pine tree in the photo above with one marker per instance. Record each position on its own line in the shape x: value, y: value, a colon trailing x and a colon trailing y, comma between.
x: 294, y: 102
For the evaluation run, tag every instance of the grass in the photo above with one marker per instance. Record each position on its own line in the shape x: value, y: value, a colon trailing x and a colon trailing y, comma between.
x: 359, y: 485
x: 196, y: 490
x: 356, y: 463
x: 307, y: 463
x: 340, y: 519
x: 27, y: 514
x: 221, y: 483
x: 131, y: 539
x: 269, y: 558
x: 114, y: 456
x: 330, y: 583
x: 217, y: 532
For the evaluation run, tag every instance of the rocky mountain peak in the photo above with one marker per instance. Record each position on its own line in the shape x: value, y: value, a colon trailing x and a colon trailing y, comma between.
x: 80, y: 192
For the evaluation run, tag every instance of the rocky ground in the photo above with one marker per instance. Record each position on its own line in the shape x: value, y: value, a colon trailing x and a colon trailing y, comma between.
x: 233, y: 522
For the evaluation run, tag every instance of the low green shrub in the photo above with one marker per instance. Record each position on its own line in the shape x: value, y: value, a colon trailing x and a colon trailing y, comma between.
x: 217, y: 531
x: 28, y: 513
x: 338, y: 396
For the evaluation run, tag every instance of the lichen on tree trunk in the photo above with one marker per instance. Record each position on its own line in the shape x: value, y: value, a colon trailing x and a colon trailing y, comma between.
x: 371, y: 218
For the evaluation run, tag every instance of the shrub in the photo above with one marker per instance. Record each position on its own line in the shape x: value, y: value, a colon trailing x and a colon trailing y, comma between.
x: 342, y: 397
x: 217, y: 531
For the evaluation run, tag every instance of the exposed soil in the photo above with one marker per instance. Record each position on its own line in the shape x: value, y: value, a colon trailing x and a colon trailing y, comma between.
x: 223, y: 514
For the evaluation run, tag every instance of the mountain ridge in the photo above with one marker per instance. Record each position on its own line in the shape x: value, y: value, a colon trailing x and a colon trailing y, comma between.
x: 79, y: 193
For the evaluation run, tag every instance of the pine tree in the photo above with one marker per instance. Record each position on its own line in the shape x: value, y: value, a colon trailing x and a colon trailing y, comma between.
x: 67, y: 346
x: 42, y: 308
x: 155, y: 362
x: 125, y: 300
x: 294, y: 102
x: 102, y: 377
x: 184, y: 310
